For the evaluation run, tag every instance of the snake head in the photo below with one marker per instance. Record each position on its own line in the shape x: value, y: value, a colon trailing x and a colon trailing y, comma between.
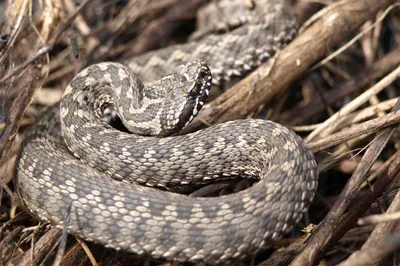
x: 192, y: 79
x: 189, y: 88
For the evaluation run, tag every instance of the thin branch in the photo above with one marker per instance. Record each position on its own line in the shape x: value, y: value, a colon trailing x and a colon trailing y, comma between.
x: 263, y: 84
x: 373, y: 254
x: 24, y: 98
x: 355, y: 131
x: 333, y: 226
x: 44, y: 49
x: 357, y: 37
x: 379, y: 218
x: 354, y: 104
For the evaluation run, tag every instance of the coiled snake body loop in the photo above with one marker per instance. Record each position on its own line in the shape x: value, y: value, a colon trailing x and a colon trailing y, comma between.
x: 66, y: 162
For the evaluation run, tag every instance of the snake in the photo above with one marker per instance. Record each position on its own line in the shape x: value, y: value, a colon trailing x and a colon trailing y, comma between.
x: 117, y: 188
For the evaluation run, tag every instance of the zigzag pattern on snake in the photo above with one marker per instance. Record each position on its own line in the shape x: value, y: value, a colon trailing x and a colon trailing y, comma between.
x: 66, y: 162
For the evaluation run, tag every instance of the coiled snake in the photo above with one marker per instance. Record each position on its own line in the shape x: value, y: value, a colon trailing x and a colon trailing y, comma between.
x: 52, y: 181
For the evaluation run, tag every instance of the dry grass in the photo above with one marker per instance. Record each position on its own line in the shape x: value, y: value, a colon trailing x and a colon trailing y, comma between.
x: 346, y: 106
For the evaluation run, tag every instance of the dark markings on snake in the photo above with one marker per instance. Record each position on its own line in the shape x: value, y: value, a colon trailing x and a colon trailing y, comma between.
x: 73, y: 158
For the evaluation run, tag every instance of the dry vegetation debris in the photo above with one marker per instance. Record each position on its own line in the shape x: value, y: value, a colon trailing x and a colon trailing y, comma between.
x: 336, y: 85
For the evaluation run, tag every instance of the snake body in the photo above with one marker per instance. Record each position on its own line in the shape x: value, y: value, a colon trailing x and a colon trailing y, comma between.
x: 65, y: 163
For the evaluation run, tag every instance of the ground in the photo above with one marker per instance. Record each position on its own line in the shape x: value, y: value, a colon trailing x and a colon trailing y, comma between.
x: 336, y: 85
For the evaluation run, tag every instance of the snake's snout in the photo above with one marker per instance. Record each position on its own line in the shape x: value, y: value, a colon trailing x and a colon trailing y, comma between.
x: 193, y: 78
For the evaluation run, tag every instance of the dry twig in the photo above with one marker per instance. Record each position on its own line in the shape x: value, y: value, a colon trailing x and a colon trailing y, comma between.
x: 333, y: 227
x: 263, y: 84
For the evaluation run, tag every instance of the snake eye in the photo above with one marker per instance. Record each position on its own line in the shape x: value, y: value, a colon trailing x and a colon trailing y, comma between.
x: 183, y: 78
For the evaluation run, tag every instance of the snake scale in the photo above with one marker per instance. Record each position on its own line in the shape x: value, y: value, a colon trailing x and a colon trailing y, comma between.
x: 65, y: 163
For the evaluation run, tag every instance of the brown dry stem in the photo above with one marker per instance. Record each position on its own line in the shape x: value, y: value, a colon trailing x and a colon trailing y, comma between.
x: 388, y: 225
x: 33, y: 77
x: 333, y: 226
x: 262, y: 85
x: 373, y: 255
x: 365, y: 76
x: 355, y: 131
x: 41, y: 248
x: 329, y: 28
x: 161, y: 29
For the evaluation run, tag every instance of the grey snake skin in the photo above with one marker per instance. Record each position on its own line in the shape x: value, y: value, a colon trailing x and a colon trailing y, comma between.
x: 65, y: 163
